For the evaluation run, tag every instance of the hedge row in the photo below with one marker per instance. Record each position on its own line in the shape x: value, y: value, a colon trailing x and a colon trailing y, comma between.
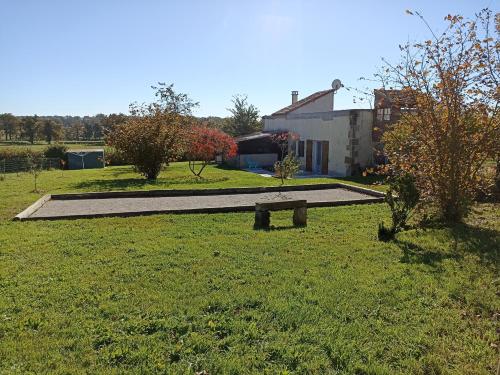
x: 52, y: 151
x: 18, y: 153
x: 57, y: 151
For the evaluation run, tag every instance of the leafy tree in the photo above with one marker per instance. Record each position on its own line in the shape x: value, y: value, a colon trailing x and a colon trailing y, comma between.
x: 52, y: 130
x: 245, y: 117
x: 454, y: 127
x: 76, y: 130
x: 221, y: 123
x: 114, y: 119
x: 30, y: 127
x: 168, y: 101
x: 93, y: 127
x: 9, y: 124
x: 205, y: 144
x: 153, y: 135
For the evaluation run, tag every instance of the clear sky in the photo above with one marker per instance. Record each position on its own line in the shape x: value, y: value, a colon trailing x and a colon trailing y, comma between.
x: 96, y: 56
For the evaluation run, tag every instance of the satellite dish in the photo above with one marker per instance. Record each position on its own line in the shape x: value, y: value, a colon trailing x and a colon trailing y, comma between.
x: 336, y: 84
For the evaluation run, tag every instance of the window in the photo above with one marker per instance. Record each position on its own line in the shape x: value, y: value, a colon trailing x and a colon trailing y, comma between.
x: 383, y: 114
x: 300, y: 150
x: 387, y: 114
x: 380, y: 114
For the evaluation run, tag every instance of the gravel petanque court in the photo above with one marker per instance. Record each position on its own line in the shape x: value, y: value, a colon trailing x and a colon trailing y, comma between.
x: 95, y: 206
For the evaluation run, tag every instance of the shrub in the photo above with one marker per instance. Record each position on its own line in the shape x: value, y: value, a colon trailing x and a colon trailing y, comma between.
x: 114, y: 157
x: 19, y: 153
x: 286, y: 168
x: 402, y: 197
x: 489, y: 184
x: 149, y: 142
x: 154, y: 134
x: 204, y: 144
x: 56, y: 151
x: 451, y: 84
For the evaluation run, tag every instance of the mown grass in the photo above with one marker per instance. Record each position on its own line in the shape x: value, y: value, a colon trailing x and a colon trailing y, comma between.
x: 193, y: 293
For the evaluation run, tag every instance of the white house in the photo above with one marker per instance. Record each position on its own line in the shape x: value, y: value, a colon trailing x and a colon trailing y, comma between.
x: 336, y: 143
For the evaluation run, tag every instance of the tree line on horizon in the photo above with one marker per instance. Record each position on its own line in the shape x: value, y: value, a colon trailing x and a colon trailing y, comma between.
x: 56, y: 128
x: 245, y: 119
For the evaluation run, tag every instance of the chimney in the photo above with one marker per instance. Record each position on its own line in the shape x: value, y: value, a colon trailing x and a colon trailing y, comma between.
x: 295, y: 96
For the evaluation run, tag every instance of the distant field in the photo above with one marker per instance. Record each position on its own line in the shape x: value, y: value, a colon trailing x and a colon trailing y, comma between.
x: 39, y: 146
x: 180, y: 294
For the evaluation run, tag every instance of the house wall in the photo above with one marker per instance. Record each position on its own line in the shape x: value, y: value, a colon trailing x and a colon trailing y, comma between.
x: 322, y: 104
x: 365, y: 149
x: 399, y: 102
x: 348, y: 133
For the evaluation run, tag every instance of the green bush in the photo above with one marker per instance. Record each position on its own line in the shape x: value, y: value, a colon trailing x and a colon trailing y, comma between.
x: 56, y: 151
x: 402, y: 197
x: 114, y: 157
x: 19, y: 153
x: 286, y: 168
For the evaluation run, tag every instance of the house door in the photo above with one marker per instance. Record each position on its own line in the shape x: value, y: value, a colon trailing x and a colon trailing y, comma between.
x: 317, y: 157
x: 324, y: 157
x: 309, y: 155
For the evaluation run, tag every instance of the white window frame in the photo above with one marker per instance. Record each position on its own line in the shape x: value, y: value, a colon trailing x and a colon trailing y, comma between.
x: 383, y: 114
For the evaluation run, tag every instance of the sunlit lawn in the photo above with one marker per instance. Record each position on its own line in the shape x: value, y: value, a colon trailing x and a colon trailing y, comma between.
x: 188, y: 293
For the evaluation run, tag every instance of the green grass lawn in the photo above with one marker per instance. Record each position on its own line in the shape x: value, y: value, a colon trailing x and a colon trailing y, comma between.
x: 193, y: 293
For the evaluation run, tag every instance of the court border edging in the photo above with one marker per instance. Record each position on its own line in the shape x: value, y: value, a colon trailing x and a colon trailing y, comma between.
x: 26, y: 214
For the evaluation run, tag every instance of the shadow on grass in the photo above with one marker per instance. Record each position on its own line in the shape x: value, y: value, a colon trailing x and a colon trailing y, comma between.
x: 416, y: 254
x: 141, y: 183
x: 482, y: 242
x: 273, y: 228
x: 365, y: 180
x: 226, y: 167
x: 118, y: 171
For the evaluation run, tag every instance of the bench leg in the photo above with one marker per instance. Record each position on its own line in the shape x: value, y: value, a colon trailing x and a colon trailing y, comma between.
x: 300, y: 216
x: 262, y: 219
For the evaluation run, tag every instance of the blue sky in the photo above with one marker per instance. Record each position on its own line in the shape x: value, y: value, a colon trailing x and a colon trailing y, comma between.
x: 96, y: 56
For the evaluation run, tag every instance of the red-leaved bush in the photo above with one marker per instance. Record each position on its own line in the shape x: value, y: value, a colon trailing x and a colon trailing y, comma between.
x: 205, y: 144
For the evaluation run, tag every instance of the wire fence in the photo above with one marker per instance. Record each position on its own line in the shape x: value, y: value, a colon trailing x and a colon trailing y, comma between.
x: 16, y: 165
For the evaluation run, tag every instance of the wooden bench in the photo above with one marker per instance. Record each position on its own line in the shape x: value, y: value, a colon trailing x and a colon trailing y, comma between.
x: 263, y: 216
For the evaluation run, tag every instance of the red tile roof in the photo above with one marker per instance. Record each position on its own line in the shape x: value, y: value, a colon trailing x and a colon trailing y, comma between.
x: 302, y: 102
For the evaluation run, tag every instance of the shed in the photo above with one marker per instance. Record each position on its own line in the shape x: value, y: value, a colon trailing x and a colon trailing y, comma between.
x: 85, y: 159
x: 256, y: 151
